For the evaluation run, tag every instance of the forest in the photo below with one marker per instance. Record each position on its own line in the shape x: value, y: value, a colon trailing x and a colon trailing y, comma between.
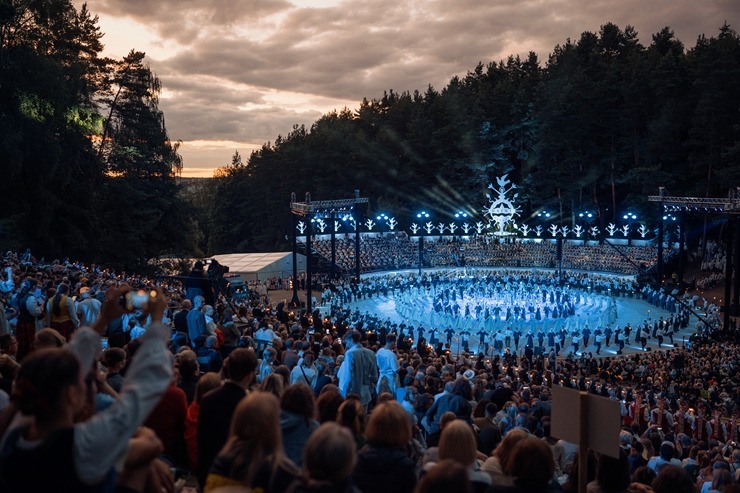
x: 90, y: 172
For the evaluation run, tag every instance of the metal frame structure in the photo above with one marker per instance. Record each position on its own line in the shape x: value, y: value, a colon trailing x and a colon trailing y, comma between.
x: 729, y: 206
x: 322, y: 208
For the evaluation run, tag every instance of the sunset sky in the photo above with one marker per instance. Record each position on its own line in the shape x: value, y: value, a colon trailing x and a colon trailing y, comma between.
x: 238, y: 73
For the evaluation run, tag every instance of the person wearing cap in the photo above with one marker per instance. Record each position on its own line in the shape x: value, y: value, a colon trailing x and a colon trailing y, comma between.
x: 88, y: 308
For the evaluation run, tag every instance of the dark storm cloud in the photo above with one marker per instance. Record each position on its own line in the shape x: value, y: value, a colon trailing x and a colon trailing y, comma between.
x: 247, y: 70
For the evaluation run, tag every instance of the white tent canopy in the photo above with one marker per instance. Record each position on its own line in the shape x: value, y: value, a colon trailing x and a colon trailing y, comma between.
x: 260, y: 266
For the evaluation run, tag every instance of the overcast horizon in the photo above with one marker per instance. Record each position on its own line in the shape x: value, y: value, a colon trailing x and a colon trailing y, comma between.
x: 237, y: 73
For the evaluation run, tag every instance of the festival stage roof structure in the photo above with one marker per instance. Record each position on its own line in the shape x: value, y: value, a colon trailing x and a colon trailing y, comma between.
x: 260, y: 266
x: 720, y: 206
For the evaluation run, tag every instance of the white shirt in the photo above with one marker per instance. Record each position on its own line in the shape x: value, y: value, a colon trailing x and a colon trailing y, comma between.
x: 388, y: 367
x: 101, y: 441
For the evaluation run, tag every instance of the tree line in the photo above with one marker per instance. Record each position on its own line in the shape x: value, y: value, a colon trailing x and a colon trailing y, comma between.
x: 90, y: 171
x: 88, y: 168
x: 597, y: 127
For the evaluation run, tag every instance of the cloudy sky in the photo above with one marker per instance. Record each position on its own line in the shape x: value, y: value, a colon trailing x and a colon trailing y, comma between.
x: 237, y: 73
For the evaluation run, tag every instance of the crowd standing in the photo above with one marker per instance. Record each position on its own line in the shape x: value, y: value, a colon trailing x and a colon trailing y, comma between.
x: 167, y: 383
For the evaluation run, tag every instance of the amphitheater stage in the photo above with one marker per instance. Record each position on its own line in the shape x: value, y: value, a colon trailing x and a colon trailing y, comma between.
x: 630, y: 310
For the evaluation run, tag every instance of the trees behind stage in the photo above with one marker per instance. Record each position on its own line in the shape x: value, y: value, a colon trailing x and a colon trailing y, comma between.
x: 87, y: 167
x: 598, y: 127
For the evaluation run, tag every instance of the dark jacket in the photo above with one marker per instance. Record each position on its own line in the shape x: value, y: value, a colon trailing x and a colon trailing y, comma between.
x: 296, y: 430
x: 451, y: 402
x: 214, y: 420
x: 384, y: 470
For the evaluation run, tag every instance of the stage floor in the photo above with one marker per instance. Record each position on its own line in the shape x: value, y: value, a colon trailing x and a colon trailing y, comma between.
x: 633, y: 311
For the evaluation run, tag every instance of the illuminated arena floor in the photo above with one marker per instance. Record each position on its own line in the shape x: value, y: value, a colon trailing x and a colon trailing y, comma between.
x: 629, y: 310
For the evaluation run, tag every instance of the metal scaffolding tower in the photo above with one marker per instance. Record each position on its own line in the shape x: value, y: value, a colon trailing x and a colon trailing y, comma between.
x: 730, y: 207
x: 325, y: 209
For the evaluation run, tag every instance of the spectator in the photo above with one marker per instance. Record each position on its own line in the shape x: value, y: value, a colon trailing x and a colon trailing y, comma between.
x: 50, y: 388
x: 196, y: 320
x: 328, y: 403
x: 114, y: 360
x: 448, y: 475
x: 181, y: 318
x: 186, y: 363
x: 217, y: 407
x: 253, y: 454
x: 358, y: 374
x: 167, y: 420
x: 89, y: 308
x: 48, y: 338
x: 209, y: 358
x: 532, y: 467
x: 297, y: 420
x: 672, y: 479
x: 206, y: 383
x: 273, y: 384
x: 667, y: 451
x: 383, y: 465
x: 458, y: 402
x: 351, y: 415
x: 612, y: 475
x: 458, y: 443
x: 305, y: 371
x: 61, y: 313
x: 328, y: 461
x: 498, y: 463
x: 29, y: 312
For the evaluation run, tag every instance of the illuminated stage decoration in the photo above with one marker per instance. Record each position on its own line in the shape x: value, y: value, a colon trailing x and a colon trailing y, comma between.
x: 501, y: 210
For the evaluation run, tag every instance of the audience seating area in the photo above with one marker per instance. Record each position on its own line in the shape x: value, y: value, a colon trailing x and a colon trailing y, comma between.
x: 392, y: 252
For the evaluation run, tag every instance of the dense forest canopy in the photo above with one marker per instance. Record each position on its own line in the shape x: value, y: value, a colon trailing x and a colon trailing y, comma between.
x: 89, y: 170
x: 597, y: 127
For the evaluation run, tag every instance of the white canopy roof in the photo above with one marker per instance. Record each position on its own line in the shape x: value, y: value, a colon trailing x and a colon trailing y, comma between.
x: 259, y: 266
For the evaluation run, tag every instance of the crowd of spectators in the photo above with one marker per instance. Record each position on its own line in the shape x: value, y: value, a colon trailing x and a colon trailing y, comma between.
x: 193, y: 390
x: 398, y: 251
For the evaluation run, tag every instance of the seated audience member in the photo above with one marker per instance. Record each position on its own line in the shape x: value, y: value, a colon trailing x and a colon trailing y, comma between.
x: 48, y: 338
x: 114, y: 360
x: 448, y: 475
x: 458, y: 443
x: 209, y: 381
x: 612, y: 475
x: 383, y: 466
x: 667, y: 450
x: 672, y: 479
x: 76, y: 453
x: 502, y: 455
x: 253, y: 455
x: 297, y: 420
x: 328, y: 461
x: 532, y: 467
x: 217, y: 407
x: 267, y: 364
x: 273, y: 384
x: 328, y: 403
x: 188, y: 372
x: 351, y: 415
x: 209, y: 357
